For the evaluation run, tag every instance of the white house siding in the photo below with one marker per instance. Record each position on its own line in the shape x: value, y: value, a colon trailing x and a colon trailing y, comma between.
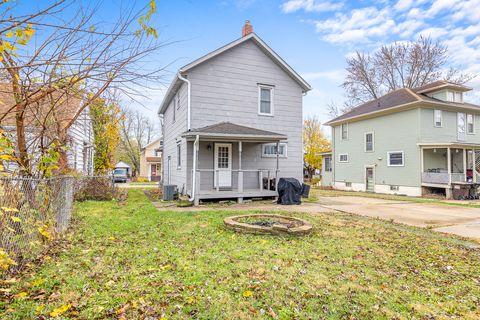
x: 81, y: 136
x: 226, y: 89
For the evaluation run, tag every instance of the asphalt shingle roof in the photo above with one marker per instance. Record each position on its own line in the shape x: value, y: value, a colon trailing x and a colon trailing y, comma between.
x: 228, y: 128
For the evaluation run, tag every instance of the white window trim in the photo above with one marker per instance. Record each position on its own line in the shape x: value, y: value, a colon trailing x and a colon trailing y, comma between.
x: 395, y: 165
x: 373, y: 142
x: 341, y: 131
x: 340, y: 157
x: 179, y: 156
x: 174, y: 107
x: 473, y: 122
x: 274, y: 155
x: 178, y: 101
x: 272, y: 93
x: 441, y: 119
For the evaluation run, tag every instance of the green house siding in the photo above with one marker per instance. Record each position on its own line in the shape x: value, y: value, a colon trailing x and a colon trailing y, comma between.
x: 448, y: 132
x: 394, y: 132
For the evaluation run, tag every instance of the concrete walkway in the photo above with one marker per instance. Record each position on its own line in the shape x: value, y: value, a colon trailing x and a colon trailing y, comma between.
x: 442, y: 218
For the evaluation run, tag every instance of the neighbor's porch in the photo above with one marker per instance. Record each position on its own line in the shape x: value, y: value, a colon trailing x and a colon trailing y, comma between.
x: 444, y: 165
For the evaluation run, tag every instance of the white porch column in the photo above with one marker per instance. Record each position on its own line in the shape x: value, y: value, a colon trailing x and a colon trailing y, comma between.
x: 240, y: 172
x: 278, y: 165
x: 449, y: 165
x: 422, y: 164
x: 464, y: 164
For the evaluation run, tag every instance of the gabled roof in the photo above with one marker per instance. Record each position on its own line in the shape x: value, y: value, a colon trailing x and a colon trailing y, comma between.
x: 228, y: 129
x: 401, y: 99
x: 251, y: 36
x: 156, y: 141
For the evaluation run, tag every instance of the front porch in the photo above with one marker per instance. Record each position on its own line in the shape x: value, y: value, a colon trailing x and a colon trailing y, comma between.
x: 450, y: 166
x: 236, y: 163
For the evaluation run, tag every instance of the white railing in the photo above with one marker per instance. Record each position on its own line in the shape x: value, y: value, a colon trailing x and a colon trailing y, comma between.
x: 442, y: 177
x: 269, y: 174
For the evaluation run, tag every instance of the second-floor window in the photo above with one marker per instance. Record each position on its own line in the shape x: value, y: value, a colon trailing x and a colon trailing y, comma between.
x: 265, y: 100
x: 470, y: 124
x: 369, y: 142
x: 437, y: 118
x: 345, y: 131
x: 461, y: 126
x: 343, y: 157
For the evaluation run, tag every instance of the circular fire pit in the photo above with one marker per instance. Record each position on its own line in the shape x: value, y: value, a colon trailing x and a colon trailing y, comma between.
x: 268, y: 224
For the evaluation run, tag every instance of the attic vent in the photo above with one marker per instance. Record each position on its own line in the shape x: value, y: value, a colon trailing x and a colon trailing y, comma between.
x: 378, y: 104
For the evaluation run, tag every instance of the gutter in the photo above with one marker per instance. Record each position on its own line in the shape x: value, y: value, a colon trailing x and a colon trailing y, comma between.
x: 194, y: 172
x: 188, y: 98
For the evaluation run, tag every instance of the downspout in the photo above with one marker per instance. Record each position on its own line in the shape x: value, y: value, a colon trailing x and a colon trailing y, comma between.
x: 194, y: 171
x: 188, y: 98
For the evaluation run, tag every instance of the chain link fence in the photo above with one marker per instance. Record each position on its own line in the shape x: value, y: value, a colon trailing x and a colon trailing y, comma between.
x: 33, y: 212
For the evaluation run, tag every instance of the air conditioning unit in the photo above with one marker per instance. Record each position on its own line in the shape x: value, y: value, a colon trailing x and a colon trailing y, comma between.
x: 169, y: 192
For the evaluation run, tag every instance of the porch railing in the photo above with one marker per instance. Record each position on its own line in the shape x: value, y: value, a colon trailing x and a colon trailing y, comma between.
x: 268, y: 174
x: 443, y: 177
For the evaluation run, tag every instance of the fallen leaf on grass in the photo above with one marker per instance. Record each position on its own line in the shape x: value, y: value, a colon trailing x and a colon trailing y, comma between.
x: 59, y: 311
x: 20, y: 295
x: 247, y: 293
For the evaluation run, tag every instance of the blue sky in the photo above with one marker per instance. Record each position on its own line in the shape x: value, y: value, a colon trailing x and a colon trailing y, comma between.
x: 316, y: 36
x: 313, y: 36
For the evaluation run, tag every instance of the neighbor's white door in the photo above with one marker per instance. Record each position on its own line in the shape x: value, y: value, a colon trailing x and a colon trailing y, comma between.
x: 223, y: 165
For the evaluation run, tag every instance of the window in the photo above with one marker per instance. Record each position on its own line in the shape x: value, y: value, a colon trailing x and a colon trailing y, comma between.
x: 345, y: 131
x: 265, y: 100
x: 394, y: 188
x: 395, y: 159
x: 343, y: 157
x: 369, y: 142
x: 270, y: 150
x: 348, y: 184
x: 328, y: 163
x: 461, y: 126
x: 450, y: 95
x: 470, y: 123
x: 179, y: 156
x: 458, y: 97
x: 437, y: 118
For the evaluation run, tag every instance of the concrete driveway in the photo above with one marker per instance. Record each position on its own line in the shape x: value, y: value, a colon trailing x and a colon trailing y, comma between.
x: 443, y: 218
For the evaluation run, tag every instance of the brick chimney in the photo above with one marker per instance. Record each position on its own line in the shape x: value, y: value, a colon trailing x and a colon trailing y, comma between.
x: 247, y: 28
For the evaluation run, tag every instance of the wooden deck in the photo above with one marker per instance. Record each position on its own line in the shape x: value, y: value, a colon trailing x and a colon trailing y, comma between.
x: 231, y: 194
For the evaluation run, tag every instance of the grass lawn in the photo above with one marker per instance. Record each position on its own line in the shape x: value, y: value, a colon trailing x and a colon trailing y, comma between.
x: 315, y: 193
x: 130, y: 261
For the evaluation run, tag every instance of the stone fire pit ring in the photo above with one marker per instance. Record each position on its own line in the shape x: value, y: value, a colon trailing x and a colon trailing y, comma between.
x: 268, y: 224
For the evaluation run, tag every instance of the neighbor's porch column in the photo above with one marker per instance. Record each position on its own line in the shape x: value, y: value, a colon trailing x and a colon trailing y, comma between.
x: 464, y: 165
x: 422, y: 164
x: 474, y: 165
x: 240, y: 172
x: 449, y: 165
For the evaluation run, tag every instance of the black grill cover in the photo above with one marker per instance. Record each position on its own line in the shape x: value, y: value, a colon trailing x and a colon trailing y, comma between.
x: 289, y: 191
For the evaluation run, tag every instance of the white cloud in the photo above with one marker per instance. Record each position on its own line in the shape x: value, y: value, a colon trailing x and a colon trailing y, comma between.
x: 433, y: 32
x: 310, y: 6
x: 402, y: 5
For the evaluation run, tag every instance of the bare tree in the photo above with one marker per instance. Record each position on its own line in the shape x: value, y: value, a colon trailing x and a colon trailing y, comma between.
x: 399, y: 65
x: 74, y: 58
x: 137, y: 130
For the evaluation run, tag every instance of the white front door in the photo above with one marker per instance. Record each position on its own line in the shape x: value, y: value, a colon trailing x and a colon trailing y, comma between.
x: 223, y: 165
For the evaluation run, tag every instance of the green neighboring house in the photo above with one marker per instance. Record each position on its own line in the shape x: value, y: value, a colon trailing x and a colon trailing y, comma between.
x: 409, y: 141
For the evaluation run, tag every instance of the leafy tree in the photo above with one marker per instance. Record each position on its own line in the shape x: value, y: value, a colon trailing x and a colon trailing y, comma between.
x: 106, y: 134
x: 314, y: 143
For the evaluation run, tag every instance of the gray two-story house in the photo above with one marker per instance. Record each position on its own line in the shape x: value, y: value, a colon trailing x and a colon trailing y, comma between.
x: 410, y: 141
x: 232, y: 123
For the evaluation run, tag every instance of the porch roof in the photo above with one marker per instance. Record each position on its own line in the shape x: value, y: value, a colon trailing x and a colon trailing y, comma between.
x: 228, y: 130
x: 449, y: 144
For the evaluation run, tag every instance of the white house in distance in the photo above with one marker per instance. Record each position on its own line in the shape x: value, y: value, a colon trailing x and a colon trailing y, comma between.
x: 232, y: 122
x: 80, y: 149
